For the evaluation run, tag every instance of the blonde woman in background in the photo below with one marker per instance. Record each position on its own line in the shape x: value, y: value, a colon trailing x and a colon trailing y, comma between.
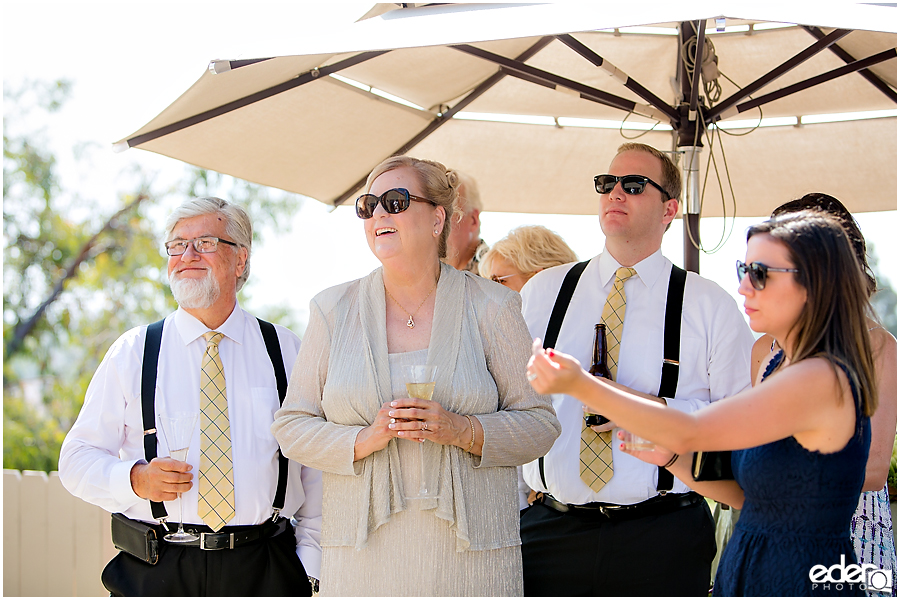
x: 523, y: 252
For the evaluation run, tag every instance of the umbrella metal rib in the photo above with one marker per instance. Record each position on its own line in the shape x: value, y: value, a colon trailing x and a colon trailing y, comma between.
x: 868, y: 75
x: 775, y: 73
x: 535, y: 75
x: 818, y: 79
x: 445, y: 116
x: 247, y: 100
x: 629, y: 83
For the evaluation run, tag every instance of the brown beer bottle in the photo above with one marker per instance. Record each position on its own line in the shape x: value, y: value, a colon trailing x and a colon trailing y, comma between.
x: 599, y: 368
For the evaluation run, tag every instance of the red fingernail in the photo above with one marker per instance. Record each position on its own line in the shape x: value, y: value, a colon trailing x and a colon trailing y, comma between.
x: 550, y: 352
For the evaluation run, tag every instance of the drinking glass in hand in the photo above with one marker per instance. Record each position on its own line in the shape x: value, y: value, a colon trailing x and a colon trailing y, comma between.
x: 178, y: 430
x: 633, y: 441
x: 420, y: 384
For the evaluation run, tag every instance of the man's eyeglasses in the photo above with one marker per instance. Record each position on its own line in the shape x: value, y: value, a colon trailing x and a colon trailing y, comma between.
x: 203, y: 245
x: 757, y: 273
x: 632, y: 184
x: 394, y: 201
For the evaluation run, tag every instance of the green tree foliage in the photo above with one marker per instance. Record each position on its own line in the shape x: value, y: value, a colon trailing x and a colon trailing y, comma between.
x: 78, y: 272
x: 884, y: 301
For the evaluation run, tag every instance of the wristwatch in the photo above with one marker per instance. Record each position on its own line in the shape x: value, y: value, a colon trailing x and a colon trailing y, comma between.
x: 314, y: 584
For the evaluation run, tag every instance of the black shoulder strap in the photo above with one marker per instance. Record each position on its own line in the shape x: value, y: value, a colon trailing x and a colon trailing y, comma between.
x: 668, y: 383
x: 149, y: 368
x: 566, y: 290
x: 270, y: 337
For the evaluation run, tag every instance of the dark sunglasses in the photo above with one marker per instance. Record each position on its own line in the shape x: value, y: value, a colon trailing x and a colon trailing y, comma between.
x: 757, y: 273
x: 394, y: 201
x: 632, y: 184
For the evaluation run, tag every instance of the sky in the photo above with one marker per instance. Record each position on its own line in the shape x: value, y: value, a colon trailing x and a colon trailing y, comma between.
x: 129, y: 59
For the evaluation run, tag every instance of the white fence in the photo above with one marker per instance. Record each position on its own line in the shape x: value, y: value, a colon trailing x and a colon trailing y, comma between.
x: 53, y: 543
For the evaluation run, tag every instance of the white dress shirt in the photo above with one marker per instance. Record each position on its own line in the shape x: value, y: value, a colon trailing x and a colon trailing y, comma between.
x: 107, y: 438
x: 714, y: 362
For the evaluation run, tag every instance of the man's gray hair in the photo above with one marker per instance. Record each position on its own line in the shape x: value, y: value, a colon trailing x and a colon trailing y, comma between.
x: 471, y: 197
x: 238, y: 226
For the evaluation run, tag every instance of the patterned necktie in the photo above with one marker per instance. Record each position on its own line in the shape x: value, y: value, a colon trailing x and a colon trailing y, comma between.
x: 216, y: 505
x: 596, y: 448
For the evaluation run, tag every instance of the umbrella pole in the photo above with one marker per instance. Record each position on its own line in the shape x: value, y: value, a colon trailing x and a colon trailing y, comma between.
x: 690, y: 206
x: 689, y: 143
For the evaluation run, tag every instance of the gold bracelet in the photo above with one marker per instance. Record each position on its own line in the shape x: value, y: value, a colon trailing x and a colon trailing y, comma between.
x: 671, y: 461
x: 472, y: 425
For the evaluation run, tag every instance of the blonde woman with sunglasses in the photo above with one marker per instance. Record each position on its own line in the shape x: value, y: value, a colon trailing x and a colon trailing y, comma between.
x: 348, y: 413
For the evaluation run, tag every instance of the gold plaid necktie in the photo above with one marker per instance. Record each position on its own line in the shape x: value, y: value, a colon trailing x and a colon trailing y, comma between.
x: 216, y: 506
x: 596, y: 448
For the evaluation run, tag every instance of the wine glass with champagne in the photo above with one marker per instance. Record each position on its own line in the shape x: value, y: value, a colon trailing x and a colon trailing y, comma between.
x: 420, y: 384
x: 178, y: 430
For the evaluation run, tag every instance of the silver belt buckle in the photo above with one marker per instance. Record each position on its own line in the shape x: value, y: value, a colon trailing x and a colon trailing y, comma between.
x: 203, y: 541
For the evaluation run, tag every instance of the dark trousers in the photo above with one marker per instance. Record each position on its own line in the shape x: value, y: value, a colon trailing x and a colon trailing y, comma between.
x: 583, y: 553
x: 269, y: 567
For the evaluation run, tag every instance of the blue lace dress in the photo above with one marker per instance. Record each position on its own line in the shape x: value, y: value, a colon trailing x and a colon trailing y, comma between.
x: 796, y: 515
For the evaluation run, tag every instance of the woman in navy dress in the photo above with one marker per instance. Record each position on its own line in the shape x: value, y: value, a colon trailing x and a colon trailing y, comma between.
x: 801, y: 437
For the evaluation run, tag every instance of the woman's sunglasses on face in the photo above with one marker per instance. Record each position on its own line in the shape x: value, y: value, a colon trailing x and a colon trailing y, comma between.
x: 632, y: 184
x: 394, y: 201
x: 757, y: 273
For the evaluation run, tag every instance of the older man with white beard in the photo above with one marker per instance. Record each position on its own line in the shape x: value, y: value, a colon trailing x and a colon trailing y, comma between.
x: 212, y: 358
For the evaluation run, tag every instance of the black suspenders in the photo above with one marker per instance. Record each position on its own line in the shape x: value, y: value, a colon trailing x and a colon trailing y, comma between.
x: 671, y: 342
x: 570, y: 282
x: 270, y: 337
x: 671, y: 351
x: 148, y: 403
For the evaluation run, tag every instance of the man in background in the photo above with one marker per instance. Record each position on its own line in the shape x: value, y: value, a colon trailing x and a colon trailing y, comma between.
x: 464, y: 244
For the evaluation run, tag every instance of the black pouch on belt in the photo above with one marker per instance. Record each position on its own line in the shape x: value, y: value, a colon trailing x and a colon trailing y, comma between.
x: 136, y: 538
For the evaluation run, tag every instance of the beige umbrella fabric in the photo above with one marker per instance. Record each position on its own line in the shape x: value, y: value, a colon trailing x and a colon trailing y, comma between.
x: 317, y: 135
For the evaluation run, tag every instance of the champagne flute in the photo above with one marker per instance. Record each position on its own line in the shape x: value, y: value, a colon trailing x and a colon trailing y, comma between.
x: 633, y: 441
x: 420, y: 384
x: 178, y: 430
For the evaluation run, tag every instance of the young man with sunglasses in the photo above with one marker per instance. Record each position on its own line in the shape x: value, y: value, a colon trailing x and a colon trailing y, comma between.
x: 254, y: 518
x: 635, y: 530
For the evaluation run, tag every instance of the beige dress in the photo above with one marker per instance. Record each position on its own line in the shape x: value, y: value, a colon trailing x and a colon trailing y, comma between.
x: 415, y: 554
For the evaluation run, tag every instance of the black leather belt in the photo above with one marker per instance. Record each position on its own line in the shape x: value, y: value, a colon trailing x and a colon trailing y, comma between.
x: 231, y: 537
x: 658, y: 505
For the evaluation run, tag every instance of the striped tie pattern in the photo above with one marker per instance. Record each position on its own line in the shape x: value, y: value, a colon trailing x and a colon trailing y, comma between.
x: 596, y: 448
x: 216, y: 506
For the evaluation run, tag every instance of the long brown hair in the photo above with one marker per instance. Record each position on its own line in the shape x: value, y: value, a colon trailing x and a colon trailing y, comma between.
x: 833, y: 322
x: 834, y: 207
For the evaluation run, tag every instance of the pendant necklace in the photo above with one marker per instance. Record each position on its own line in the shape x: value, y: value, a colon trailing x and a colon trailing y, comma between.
x: 410, y: 323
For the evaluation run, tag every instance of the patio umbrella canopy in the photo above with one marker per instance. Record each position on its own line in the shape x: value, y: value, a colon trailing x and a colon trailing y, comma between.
x: 313, y: 119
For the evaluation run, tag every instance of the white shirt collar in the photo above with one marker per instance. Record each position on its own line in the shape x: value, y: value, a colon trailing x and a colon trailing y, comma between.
x: 648, y: 270
x: 190, y: 328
